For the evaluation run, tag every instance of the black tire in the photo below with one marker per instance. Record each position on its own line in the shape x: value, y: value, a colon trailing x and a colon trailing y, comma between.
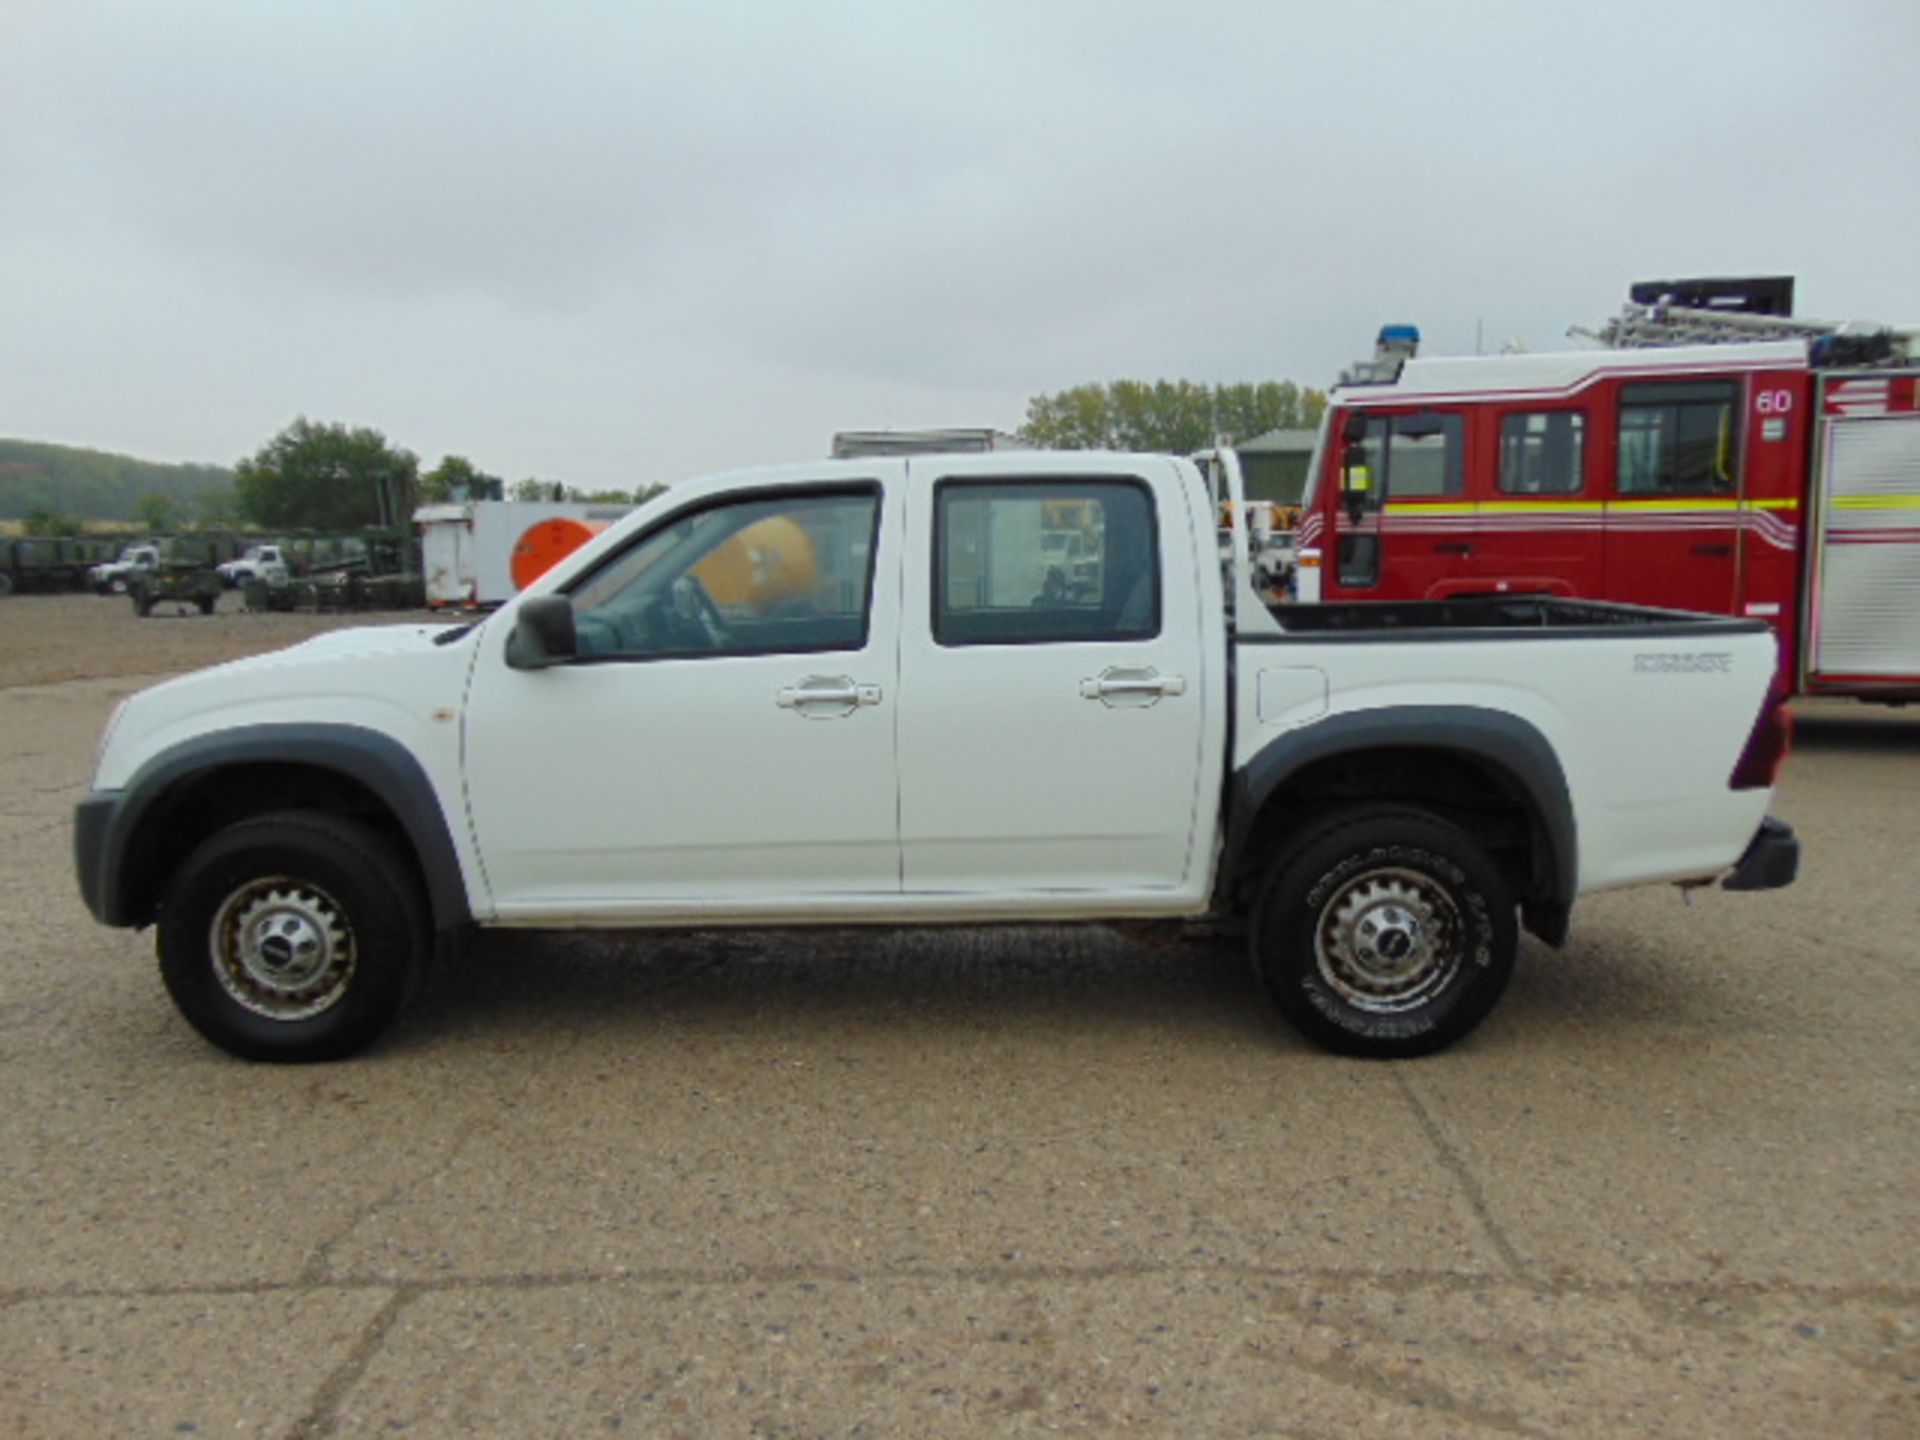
x: 1385, y: 933
x: 298, y: 936
x: 206, y: 603
x: 6, y: 583
x: 142, y: 603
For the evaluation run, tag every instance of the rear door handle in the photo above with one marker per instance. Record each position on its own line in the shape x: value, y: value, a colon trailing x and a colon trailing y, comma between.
x: 1120, y: 685
x: 821, y: 697
x: 1452, y: 547
x: 1713, y: 549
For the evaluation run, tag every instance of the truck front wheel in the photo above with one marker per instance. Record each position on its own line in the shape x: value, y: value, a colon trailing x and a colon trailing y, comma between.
x: 294, y: 937
x: 1385, y: 933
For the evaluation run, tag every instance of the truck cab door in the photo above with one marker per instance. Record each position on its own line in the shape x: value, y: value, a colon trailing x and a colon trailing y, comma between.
x: 720, y: 735
x: 1056, y: 726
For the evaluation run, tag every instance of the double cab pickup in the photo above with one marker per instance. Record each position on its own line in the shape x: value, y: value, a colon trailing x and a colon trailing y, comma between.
x: 942, y: 689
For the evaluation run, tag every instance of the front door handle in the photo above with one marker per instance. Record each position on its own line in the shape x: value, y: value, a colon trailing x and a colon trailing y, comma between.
x: 821, y: 697
x: 1120, y: 685
x: 1452, y: 547
x: 1713, y: 549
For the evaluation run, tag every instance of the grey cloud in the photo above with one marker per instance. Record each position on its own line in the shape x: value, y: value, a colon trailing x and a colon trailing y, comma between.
x: 595, y: 239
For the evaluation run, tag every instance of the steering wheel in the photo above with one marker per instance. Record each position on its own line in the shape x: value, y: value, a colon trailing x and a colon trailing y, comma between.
x: 692, y: 604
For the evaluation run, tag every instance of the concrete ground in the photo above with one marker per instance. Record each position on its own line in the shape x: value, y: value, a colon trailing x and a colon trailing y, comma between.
x: 966, y: 1183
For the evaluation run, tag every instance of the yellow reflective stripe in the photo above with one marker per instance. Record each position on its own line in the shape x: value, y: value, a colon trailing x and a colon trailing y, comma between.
x: 1673, y: 505
x: 1877, y: 502
x: 1542, y: 507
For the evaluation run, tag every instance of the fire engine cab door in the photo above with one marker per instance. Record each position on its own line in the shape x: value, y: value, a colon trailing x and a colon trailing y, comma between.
x: 1673, y: 517
x: 1404, y: 526
x: 1540, y: 519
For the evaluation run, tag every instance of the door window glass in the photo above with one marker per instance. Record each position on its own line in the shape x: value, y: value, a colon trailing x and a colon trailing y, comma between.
x: 1035, y: 561
x: 1678, y: 439
x: 1409, y: 457
x: 772, y: 575
x: 1541, y: 453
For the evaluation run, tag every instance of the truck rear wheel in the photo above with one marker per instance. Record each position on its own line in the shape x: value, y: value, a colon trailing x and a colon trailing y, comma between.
x: 293, y: 937
x: 1385, y: 933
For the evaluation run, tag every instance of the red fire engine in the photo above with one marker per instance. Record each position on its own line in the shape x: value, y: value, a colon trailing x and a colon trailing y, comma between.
x: 1716, y: 455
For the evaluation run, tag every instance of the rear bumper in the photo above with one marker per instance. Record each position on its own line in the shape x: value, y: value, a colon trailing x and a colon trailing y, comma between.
x: 1772, y: 859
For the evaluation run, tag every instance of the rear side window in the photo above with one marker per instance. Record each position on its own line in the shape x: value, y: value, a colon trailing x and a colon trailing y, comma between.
x: 1037, y: 561
x: 1678, y: 438
x: 1542, y: 453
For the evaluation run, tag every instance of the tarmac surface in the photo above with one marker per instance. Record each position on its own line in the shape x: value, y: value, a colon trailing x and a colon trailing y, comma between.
x: 964, y: 1182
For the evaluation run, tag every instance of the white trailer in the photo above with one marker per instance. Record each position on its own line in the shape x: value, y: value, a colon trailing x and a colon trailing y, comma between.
x: 466, y: 547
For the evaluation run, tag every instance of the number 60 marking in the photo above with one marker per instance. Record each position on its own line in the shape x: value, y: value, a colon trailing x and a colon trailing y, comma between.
x: 1773, y: 402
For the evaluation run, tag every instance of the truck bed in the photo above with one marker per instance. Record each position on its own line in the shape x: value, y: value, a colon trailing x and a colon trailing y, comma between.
x: 1392, y: 619
x: 1647, y: 710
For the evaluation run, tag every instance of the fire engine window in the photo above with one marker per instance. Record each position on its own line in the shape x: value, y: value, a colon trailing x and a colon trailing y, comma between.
x: 1041, y: 561
x: 1541, y: 453
x: 1424, y: 457
x: 1678, y: 439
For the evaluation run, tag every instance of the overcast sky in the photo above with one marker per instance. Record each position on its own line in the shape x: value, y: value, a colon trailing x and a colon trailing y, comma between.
x: 623, y: 243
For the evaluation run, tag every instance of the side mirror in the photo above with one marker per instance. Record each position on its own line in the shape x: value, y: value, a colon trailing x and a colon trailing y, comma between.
x: 1355, y: 428
x: 543, y: 633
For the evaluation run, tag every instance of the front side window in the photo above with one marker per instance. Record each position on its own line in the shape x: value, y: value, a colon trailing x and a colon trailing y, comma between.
x: 1678, y: 438
x: 1409, y: 457
x: 1542, y: 453
x: 770, y: 575
x: 1028, y: 562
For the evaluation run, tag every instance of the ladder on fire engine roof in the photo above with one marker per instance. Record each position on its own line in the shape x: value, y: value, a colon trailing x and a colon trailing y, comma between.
x: 1853, y: 344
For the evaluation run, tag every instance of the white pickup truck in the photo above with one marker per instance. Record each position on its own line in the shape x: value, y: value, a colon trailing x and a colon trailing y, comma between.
x: 256, y: 562
x: 111, y: 577
x: 852, y: 693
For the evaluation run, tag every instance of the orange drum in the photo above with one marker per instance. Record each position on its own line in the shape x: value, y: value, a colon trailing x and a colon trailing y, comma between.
x: 546, y: 543
x: 768, y: 562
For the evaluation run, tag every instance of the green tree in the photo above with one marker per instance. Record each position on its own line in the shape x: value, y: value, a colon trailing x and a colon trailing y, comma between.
x: 216, y: 509
x: 534, y: 488
x: 327, y: 477
x: 1170, y: 416
x: 1076, y: 419
x: 157, y: 512
x: 43, y: 521
x: 91, y: 483
x: 456, y: 476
